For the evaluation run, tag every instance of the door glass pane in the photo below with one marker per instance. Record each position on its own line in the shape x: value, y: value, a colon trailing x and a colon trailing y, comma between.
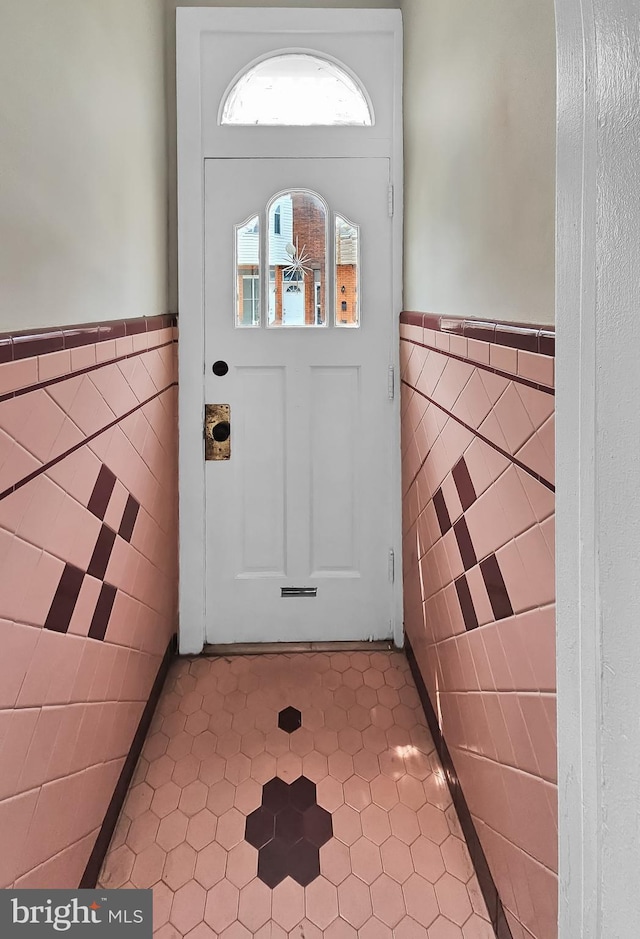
x: 297, y: 249
x: 248, y: 273
x: 347, y: 273
x: 296, y: 90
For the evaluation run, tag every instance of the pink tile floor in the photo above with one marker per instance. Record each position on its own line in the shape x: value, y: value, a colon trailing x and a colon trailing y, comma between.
x: 397, y: 864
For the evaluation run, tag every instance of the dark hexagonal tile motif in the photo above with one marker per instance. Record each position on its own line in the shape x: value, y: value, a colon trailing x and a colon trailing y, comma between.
x: 302, y: 793
x: 275, y: 794
x: 317, y: 825
x: 260, y: 827
x: 289, y: 719
x: 273, y: 863
x: 288, y: 830
x: 289, y: 825
x: 304, y: 862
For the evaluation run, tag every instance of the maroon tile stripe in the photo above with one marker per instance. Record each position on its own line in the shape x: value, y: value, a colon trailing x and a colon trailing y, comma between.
x: 525, y: 336
x: 101, y: 553
x: 494, y: 582
x: 102, y: 492
x: 100, y: 619
x: 64, y: 600
x: 27, y: 343
x: 473, y: 430
x: 467, y: 551
x: 444, y: 520
x: 464, y: 484
x: 466, y: 603
x: 129, y: 517
x: 47, y: 466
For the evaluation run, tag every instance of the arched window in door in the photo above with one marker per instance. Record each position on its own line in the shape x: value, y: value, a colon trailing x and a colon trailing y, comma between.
x: 297, y: 89
x: 302, y: 282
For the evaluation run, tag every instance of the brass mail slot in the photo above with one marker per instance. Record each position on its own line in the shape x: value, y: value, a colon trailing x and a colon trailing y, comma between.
x: 217, y: 432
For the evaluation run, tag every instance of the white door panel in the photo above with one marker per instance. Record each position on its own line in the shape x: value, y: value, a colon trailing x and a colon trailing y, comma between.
x: 306, y: 497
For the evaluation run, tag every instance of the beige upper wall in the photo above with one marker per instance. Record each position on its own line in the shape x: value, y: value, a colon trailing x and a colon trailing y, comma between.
x: 171, y: 6
x: 83, y: 204
x: 480, y: 158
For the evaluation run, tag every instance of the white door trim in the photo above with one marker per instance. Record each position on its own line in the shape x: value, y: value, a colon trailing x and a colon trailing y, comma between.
x: 194, y: 143
x: 598, y: 456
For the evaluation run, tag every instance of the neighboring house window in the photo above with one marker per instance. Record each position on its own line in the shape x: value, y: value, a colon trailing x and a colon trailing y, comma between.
x: 276, y: 222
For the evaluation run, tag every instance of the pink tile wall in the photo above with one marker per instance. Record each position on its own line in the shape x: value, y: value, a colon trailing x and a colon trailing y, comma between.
x: 88, y: 576
x: 478, y: 506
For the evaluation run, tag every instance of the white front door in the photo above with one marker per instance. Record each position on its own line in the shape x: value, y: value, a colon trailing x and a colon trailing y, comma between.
x: 305, y: 502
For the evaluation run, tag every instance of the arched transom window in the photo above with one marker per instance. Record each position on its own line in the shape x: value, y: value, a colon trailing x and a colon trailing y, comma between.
x: 296, y: 89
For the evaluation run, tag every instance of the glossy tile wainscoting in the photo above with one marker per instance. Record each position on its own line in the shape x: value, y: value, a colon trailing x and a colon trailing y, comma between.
x: 88, y: 575
x: 478, y: 507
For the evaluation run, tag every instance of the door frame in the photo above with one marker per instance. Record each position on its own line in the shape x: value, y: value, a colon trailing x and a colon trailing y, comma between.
x: 196, y: 142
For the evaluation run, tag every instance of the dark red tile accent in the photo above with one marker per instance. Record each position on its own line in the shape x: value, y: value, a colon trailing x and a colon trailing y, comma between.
x: 101, y: 553
x: 273, y: 863
x: 302, y: 793
x: 466, y: 603
x: 133, y: 327
x: 65, y: 599
x: 289, y: 719
x: 442, y: 512
x: 288, y: 825
x: 102, y: 613
x: 467, y: 552
x: 454, y: 326
x: 494, y: 582
x: 547, y: 343
x: 517, y: 337
x: 431, y: 321
x: 464, y: 484
x: 114, y: 330
x: 275, y: 794
x: 485, y: 332
x: 304, y: 862
x: 260, y: 827
x: 527, y: 336
x: 102, y: 492
x: 317, y: 825
x: 27, y: 344
x: 129, y: 517
x: 413, y: 319
x: 6, y: 350
x: 76, y: 336
x: 288, y: 830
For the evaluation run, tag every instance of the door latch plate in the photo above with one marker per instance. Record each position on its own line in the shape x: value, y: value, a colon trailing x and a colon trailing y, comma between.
x: 217, y: 432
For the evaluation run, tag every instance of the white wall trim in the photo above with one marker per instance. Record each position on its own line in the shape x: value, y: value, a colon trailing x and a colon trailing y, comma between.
x: 598, y: 455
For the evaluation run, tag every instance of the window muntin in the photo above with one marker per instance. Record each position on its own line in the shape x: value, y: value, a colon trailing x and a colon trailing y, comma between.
x: 247, y: 273
x: 347, y: 272
x: 296, y: 89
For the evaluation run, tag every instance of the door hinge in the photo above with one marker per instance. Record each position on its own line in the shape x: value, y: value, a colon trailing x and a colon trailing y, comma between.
x: 390, y: 200
x: 391, y: 382
x: 392, y: 565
